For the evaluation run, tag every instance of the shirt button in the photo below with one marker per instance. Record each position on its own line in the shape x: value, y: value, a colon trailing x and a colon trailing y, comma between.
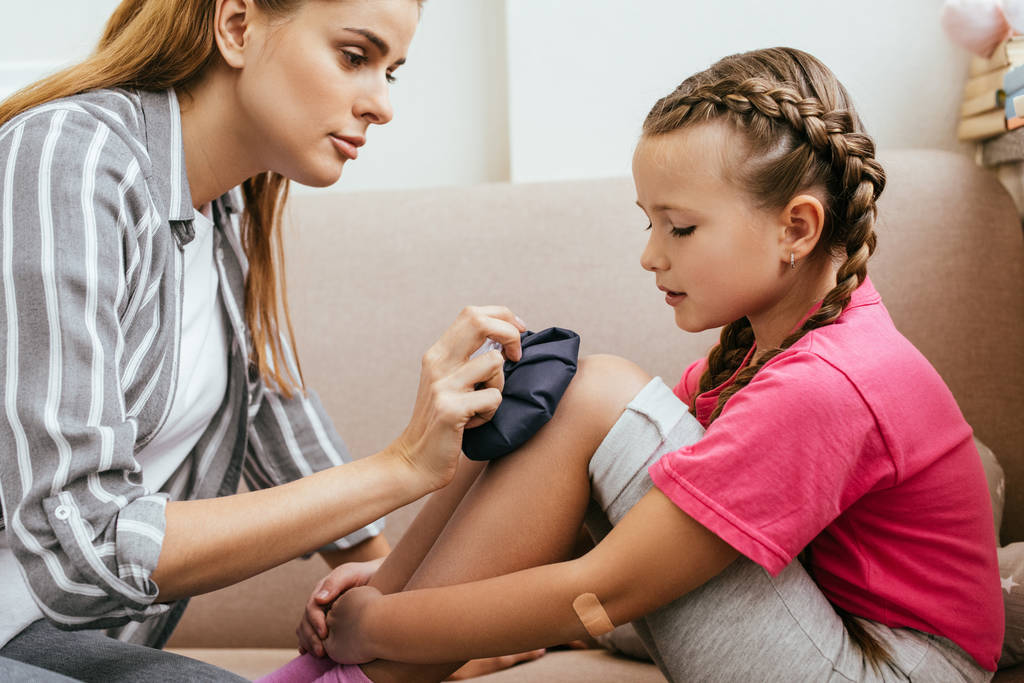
x: 220, y: 254
x: 62, y: 512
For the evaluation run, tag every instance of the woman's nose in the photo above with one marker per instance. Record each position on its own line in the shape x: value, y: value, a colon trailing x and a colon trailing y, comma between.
x: 375, y: 104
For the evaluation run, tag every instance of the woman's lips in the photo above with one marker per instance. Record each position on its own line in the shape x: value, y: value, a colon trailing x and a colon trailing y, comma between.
x: 346, y: 146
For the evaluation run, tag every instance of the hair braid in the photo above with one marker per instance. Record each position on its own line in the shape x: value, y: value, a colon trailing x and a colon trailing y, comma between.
x: 808, y: 138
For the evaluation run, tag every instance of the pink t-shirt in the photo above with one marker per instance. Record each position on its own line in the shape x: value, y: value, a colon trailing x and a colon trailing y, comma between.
x: 850, y: 443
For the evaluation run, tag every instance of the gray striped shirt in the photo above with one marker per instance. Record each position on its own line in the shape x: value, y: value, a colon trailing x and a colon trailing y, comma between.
x: 95, y: 211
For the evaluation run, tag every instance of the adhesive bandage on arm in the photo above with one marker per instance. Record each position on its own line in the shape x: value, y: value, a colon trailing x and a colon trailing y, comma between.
x: 590, y: 611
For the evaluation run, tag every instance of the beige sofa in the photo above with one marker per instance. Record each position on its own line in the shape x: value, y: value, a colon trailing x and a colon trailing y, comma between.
x: 375, y: 277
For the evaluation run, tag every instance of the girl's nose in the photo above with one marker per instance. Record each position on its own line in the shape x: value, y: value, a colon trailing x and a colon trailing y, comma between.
x: 652, y: 258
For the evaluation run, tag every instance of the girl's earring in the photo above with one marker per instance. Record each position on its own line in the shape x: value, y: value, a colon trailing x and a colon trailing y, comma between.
x: 792, y: 261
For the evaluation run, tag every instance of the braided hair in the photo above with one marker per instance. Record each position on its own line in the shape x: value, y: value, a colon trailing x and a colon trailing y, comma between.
x: 801, y: 132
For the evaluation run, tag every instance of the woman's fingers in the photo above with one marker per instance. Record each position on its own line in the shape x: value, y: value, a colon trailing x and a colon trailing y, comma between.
x: 471, y: 328
x: 485, y: 375
x: 483, y: 404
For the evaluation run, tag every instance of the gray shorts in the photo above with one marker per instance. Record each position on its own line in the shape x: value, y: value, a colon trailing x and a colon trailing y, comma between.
x: 745, y: 625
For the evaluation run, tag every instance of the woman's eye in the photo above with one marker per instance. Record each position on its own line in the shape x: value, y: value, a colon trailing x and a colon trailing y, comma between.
x: 683, y: 232
x: 390, y: 77
x: 354, y: 58
x: 649, y: 226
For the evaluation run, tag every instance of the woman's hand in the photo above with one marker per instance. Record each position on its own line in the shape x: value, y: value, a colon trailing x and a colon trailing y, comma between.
x: 347, y: 642
x: 456, y: 393
x: 312, y: 629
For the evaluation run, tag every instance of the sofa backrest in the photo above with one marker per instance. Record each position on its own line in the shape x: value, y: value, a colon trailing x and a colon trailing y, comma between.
x: 375, y: 277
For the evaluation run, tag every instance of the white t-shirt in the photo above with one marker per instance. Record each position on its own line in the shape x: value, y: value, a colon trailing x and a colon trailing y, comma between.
x: 201, y: 384
x: 202, y: 364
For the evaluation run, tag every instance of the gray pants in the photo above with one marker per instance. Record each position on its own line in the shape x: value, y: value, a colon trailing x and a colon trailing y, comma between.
x: 44, y: 653
x: 745, y: 625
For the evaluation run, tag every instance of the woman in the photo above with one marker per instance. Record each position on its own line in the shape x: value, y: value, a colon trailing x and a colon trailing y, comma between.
x: 145, y: 367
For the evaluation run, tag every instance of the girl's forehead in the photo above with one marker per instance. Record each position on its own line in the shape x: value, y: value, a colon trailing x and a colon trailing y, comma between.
x: 698, y: 157
x: 703, y: 145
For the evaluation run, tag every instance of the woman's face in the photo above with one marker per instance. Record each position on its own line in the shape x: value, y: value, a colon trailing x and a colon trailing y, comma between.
x: 314, y: 81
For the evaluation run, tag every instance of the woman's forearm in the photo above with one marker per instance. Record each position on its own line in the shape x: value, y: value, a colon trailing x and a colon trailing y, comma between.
x: 212, y: 543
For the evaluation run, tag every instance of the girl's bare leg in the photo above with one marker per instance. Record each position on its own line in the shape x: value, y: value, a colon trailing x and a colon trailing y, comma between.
x: 524, y: 510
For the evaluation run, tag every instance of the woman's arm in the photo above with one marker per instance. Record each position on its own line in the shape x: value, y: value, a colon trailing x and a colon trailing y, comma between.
x: 656, y: 554
x: 213, y: 543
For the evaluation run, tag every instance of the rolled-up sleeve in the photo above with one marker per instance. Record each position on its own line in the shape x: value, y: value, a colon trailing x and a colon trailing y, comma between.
x: 290, y: 438
x: 84, y: 530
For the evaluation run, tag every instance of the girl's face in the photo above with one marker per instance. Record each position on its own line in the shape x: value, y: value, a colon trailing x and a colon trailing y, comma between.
x: 313, y: 82
x: 715, y: 255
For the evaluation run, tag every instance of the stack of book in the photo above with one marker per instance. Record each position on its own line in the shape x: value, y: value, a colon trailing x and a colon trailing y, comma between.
x: 987, y: 108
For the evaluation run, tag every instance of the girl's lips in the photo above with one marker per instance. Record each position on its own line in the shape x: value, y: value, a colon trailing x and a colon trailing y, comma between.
x: 672, y: 298
x: 345, y: 147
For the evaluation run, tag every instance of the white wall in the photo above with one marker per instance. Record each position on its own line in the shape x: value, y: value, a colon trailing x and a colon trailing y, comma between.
x: 38, y: 38
x: 584, y: 73
x: 546, y: 89
x: 451, y: 117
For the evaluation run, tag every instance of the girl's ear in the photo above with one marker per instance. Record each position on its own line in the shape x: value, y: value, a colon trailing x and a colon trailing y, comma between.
x: 802, y: 219
x: 231, y: 21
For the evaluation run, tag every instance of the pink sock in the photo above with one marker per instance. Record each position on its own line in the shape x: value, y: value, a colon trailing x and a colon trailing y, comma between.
x: 344, y: 673
x: 309, y: 669
x: 303, y: 669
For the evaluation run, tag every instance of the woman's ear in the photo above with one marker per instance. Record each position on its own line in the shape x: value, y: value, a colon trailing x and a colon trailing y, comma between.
x: 231, y: 21
x: 803, y: 220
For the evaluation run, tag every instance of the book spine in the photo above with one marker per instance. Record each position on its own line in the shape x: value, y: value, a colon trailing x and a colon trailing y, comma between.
x: 1015, y: 123
x: 999, y: 58
x: 982, y: 126
x: 1013, y: 80
x: 1008, y: 105
x: 985, y: 83
x: 982, y: 103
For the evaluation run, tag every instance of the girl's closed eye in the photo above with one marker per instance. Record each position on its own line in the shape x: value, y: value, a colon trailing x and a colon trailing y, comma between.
x: 676, y: 232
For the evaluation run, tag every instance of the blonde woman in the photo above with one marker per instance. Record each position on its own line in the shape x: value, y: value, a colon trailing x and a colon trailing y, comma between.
x: 146, y: 369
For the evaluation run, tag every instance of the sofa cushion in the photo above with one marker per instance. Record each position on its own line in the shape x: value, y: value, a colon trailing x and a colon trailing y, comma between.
x: 1011, y: 572
x: 996, y: 482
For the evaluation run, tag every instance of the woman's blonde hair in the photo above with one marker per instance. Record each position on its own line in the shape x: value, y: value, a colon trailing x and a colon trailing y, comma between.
x: 160, y: 44
x: 800, y: 131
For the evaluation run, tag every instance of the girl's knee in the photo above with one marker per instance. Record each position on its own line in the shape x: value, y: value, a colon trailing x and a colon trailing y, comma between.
x: 602, y: 388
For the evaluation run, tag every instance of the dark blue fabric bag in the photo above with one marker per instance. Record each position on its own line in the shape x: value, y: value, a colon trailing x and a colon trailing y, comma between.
x: 533, y: 388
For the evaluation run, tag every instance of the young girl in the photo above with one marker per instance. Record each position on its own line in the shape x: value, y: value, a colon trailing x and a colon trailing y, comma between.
x: 145, y: 366
x: 831, y: 523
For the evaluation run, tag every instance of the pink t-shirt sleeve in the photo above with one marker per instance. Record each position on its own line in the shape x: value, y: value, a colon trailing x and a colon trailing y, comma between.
x: 690, y: 381
x: 782, y: 461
